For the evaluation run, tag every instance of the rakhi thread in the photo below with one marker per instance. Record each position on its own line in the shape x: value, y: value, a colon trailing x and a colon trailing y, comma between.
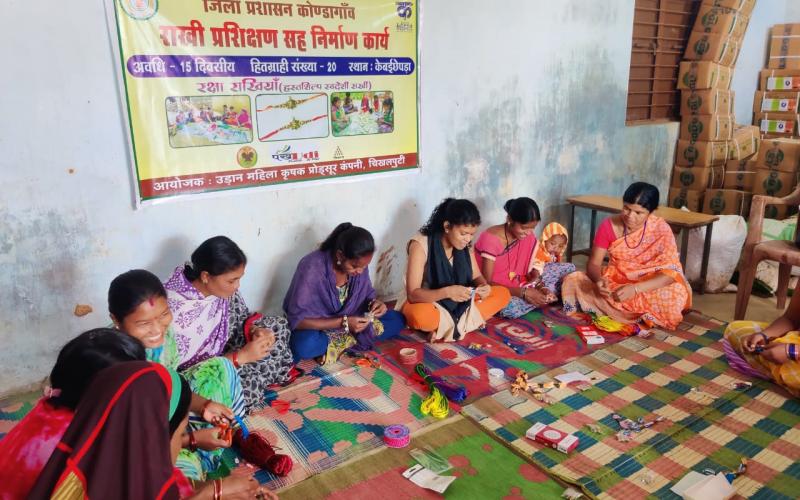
x: 436, y: 404
x: 396, y: 436
x: 453, y: 392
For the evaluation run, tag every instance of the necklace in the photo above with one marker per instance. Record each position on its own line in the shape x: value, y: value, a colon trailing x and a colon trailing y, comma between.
x: 625, y: 235
x: 290, y: 104
x: 293, y: 125
x: 512, y: 275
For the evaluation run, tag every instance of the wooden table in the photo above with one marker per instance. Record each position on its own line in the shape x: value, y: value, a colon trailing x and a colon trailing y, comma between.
x: 678, y: 219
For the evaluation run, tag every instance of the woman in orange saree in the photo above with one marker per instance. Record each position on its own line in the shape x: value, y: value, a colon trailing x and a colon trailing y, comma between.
x: 644, y: 281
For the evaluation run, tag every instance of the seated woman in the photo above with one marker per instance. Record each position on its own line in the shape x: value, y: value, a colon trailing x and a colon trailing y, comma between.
x: 212, y: 319
x: 102, y: 456
x: 24, y: 451
x: 768, y: 351
x: 137, y: 302
x: 446, y: 292
x: 644, y: 280
x: 504, y: 254
x: 331, y: 303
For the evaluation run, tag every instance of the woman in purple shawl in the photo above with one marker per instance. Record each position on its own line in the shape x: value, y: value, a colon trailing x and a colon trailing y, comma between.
x: 211, y: 319
x: 331, y: 305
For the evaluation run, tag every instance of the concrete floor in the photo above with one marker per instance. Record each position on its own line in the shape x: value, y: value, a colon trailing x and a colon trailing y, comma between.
x: 721, y: 305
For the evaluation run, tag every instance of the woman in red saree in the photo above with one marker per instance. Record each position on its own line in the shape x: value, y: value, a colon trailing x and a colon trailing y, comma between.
x: 644, y: 281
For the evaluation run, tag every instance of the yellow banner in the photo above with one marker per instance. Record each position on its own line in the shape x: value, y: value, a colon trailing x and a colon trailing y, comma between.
x: 225, y: 94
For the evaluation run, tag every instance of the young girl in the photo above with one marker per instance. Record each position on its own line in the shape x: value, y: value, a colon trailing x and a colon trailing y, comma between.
x: 548, y: 267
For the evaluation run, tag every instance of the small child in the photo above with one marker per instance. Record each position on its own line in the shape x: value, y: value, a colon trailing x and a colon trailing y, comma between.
x: 547, y: 269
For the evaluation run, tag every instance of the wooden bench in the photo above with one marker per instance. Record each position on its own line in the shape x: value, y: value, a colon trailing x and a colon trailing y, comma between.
x: 680, y: 220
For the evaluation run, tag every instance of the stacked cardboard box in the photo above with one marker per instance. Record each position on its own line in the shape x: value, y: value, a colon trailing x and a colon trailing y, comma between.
x: 776, y: 172
x: 709, y: 137
x: 775, y: 104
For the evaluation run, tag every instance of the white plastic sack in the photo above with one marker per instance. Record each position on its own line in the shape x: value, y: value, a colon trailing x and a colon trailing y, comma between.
x: 727, y: 240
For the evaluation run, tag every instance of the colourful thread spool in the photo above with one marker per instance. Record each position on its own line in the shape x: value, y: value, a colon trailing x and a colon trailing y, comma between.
x: 396, y: 436
x: 408, y: 356
x: 497, y: 373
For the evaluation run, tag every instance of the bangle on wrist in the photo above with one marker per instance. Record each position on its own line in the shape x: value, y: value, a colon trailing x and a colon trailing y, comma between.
x: 192, y: 441
x: 345, y: 324
x: 764, y: 336
x: 525, y: 294
x: 791, y: 351
x: 217, y: 489
x: 235, y: 359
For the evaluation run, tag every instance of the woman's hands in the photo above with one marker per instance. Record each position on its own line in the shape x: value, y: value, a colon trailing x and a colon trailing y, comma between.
x: 625, y: 292
x: 208, y: 439
x: 258, y: 348
x: 483, y: 291
x: 214, y: 412
x: 357, y: 324
x: 753, y: 341
x: 776, y: 353
x: 377, y: 308
x: 458, y: 293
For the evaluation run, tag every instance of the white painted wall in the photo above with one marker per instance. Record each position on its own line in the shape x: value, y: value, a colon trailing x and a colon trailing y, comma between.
x: 755, y: 48
x: 519, y: 97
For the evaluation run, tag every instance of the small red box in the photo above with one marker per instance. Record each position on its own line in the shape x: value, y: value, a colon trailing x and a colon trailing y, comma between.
x: 552, y: 437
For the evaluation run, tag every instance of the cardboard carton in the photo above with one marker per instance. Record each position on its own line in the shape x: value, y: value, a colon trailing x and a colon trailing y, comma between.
x: 744, y: 142
x: 743, y: 6
x: 706, y: 102
x: 777, y: 124
x: 722, y: 20
x: 707, y: 127
x: 712, y: 47
x: 745, y: 164
x: 691, y: 199
x: 779, y: 79
x: 775, y: 101
x: 726, y: 202
x: 774, y: 182
x: 701, y: 153
x: 784, y: 47
x: 779, y: 212
x: 704, y: 75
x: 698, y: 178
x: 779, y: 154
x: 740, y: 180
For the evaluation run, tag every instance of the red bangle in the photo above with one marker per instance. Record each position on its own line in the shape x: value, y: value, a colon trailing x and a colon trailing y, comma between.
x: 192, y: 441
x: 217, y: 489
x: 235, y: 359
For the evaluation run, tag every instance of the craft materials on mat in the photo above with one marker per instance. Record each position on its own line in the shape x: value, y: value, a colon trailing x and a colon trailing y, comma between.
x: 538, y: 341
x: 552, y: 437
x: 258, y: 451
x: 538, y: 389
x: 630, y: 427
x: 436, y: 403
x: 609, y: 325
x: 408, y: 356
x: 485, y: 468
x: 396, y: 436
x: 653, y: 378
x: 590, y: 335
x: 336, y: 413
x: 428, y: 479
x: 497, y: 373
x: 429, y: 459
